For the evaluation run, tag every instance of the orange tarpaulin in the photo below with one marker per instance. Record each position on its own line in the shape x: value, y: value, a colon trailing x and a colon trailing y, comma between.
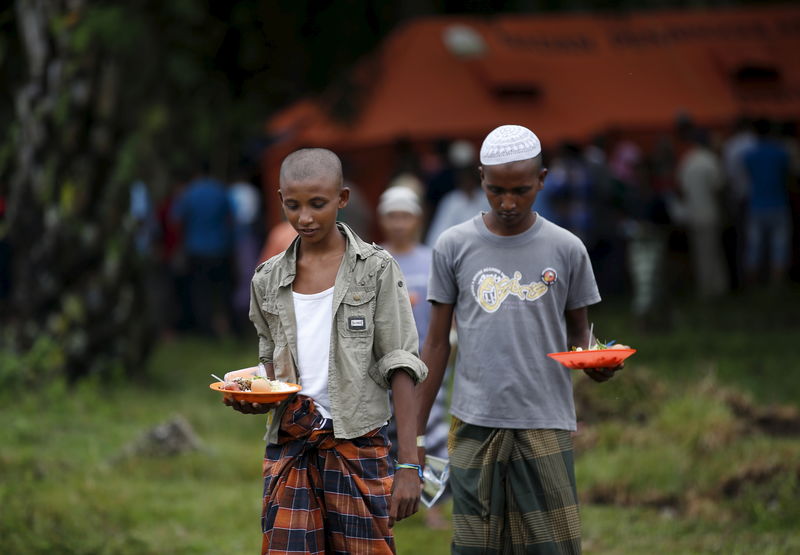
x: 564, y: 76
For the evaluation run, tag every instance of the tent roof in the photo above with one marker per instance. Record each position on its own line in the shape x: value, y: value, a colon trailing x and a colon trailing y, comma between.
x: 564, y: 76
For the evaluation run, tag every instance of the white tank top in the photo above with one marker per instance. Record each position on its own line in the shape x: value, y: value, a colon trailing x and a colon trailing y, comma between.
x: 314, y: 319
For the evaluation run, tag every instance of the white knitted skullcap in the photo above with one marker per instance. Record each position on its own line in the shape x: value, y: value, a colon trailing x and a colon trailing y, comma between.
x: 509, y: 143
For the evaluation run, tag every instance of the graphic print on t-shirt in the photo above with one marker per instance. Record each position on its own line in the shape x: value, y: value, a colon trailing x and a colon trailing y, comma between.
x: 491, y: 287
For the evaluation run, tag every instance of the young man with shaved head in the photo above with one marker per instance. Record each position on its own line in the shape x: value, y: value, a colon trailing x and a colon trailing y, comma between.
x: 333, y: 314
x: 519, y: 287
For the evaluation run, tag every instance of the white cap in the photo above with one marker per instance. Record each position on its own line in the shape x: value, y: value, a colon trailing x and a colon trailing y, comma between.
x: 409, y: 181
x: 509, y: 143
x: 399, y: 199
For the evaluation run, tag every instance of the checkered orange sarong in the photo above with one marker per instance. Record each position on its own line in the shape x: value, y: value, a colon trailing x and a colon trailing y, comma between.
x: 323, y: 494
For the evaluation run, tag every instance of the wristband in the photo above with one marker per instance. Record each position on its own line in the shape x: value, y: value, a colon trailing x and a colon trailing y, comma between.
x: 420, y: 441
x: 417, y: 467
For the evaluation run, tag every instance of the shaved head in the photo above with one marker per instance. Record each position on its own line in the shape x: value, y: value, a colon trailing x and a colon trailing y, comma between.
x: 311, y: 163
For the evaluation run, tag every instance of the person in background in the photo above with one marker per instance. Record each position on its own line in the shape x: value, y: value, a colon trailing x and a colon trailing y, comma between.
x: 733, y: 151
x: 246, y: 203
x: 145, y: 241
x: 596, y: 163
x: 737, y: 187
x: 769, y: 218
x: 646, y: 227
x: 611, y: 252
x: 144, y: 218
x: 466, y: 199
x: 205, y: 215
x: 791, y: 143
x: 400, y: 217
x: 176, y: 307
x: 438, y: 178
x: 570, y: 187
x: 701, y: 182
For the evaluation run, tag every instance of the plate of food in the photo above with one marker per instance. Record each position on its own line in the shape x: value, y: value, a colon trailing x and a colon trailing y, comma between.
x: 600, y: 356
x: 256, y: 389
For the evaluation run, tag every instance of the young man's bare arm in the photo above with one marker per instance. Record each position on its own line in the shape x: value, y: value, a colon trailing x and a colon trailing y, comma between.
x: 405, y: 494
x: 435, y: 354
x: 395, y: 348
x: 577, y: 327
x: 578, y: 336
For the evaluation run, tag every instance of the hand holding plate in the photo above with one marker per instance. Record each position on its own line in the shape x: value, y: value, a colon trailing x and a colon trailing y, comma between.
x: 246, y: 407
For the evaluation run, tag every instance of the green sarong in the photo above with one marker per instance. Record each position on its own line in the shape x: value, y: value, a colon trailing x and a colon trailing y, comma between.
x: 513, y: 491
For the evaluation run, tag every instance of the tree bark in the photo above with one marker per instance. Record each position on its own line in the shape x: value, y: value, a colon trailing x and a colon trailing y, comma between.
x: 76, y: 282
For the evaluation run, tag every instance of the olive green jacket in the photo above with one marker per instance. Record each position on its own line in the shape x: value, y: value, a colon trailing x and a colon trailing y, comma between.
x: 373, y: 333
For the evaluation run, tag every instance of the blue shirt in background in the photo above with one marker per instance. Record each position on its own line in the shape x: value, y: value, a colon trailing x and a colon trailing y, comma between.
x: 767, y: 165
x: 206, y: 214
x: 416, y: 267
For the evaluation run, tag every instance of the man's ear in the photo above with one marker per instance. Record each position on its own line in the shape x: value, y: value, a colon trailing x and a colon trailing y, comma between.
x: 480, y: 173
x: 542, y: 175
x: 280, y: 195
x: 344, y: 197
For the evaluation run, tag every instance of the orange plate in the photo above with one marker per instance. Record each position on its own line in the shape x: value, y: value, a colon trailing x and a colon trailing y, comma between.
x: 249, y: 396
x: 603, y: 358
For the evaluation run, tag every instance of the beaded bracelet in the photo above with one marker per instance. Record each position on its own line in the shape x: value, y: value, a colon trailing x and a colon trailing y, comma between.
x: 417, y: 467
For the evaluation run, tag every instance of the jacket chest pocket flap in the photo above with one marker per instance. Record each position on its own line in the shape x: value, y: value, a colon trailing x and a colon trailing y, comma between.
x: 355, y: 315
x: 272, y: 315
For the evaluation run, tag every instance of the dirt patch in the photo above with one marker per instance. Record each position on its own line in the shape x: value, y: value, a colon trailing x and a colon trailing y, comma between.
x: 637, y: 397
x: 707, y: 504
x: 755, y: 474
x: 775, y: 420
x: 612, y: 495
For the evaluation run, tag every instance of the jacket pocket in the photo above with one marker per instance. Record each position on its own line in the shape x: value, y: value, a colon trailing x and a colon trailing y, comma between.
x: 355, y: 317
x: 270, y: 310
x: 282, y: 362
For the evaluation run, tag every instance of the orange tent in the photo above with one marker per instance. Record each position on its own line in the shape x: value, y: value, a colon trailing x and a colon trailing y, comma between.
x: 564, y: 76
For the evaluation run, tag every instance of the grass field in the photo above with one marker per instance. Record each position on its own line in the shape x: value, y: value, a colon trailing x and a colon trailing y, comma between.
x: 684, y: 452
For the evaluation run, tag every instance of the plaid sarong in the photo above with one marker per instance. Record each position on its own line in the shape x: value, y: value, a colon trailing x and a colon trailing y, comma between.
x: 513, y: 491
x: 322, y: 494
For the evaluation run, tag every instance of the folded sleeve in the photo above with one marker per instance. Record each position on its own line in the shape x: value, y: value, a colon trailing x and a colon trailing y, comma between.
x: 266, y: 345
x: 395, y: 344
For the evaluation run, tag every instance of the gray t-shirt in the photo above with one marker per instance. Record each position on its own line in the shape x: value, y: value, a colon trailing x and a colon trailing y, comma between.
x: 510, y: 294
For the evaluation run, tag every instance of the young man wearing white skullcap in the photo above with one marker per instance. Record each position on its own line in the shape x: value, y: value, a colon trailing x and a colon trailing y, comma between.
x: 519, y: 287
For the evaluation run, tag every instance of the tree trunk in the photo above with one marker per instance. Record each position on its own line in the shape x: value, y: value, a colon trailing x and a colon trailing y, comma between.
x: 77, y: 282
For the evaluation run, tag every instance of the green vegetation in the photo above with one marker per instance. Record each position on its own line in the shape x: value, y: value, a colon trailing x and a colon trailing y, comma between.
x: 685, y: 452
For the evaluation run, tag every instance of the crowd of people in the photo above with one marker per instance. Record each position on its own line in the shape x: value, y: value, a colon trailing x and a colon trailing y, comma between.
x: 695, y: 212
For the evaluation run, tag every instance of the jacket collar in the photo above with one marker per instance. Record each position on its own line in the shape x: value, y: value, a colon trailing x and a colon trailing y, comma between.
x: 286, y: 267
